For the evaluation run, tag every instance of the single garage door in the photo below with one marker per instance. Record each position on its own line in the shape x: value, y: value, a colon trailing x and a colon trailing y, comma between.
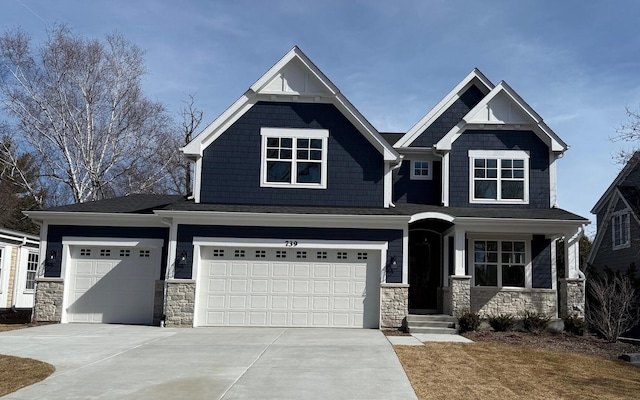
x: 288, y: 287
x: 112, y: 284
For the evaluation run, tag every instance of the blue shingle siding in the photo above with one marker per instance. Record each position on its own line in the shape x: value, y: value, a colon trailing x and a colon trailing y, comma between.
x: 186, y: 233
x: 231, y: 164
x: 620, y: 259
x: 449, y: 118
x: 55, y: 234
x: 541, y: 262
x: 406, y: 190
x: 539, y: 185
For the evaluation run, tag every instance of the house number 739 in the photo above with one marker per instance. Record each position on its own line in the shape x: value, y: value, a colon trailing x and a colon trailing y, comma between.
x: 290, y: 243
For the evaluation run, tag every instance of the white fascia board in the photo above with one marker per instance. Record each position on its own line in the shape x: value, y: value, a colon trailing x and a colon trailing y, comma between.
x: 547, y: 227
x: 111, y: 241
x: 301, y: 243
x: 622, y: 175
x: 286, y: 220
x: 475, y: 76
x: 537, y: 125
x: 195, y: 148
x: 369, y: 132
x: 93, y: 218
x: 298, y: 54
x: 18, y: 236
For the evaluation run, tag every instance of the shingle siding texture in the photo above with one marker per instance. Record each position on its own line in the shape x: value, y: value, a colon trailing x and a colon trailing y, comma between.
x: 186, y: 233
x: 618, y: 260
x: 406, y: 190
x: 57, y: 232
x: 541, y: 262
x: 539, y: 185
x: 231, y: 164
x: 449, y: 118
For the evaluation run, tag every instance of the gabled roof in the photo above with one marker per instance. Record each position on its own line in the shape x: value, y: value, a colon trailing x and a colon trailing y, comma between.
x: 475, y: 77
x: 294, y: 78
x: 503, y: 107
x: 618, y: 181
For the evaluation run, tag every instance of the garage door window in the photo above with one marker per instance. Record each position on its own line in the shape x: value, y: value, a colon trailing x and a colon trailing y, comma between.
x: 105, y: 253
x: 85, y: 252
x: 145, y: 253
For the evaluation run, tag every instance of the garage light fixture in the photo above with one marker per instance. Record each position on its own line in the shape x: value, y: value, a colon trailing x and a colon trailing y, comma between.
x: 52, y: 255
x: 183, y: 259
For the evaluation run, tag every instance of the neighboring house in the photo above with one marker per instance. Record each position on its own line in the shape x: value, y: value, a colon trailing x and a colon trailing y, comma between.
x: 18, y: 267
x: 616, y: 244
x: 303, y: 214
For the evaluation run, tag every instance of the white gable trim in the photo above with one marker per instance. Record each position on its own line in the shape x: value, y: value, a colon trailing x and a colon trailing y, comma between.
x: 521, y: 107
x: 474, y: 77
x: 263, y: 89
x: 622, y: 175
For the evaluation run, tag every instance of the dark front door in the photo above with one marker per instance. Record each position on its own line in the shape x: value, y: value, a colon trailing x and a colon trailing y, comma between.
x: 424, y: 269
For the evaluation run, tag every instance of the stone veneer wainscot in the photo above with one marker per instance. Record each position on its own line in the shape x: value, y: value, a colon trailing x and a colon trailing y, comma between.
x: 48, y: 300
x: 394, y: 304
x: 180, y: 304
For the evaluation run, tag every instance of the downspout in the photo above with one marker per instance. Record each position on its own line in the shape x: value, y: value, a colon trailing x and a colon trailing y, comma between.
x: 398, y: 165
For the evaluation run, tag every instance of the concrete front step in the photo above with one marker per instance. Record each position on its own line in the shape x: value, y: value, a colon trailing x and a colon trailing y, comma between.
x: 445, y: 331
x: 433, y: 323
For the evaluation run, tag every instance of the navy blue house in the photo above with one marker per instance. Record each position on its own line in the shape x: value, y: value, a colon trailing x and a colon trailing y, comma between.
x: 303, y: 214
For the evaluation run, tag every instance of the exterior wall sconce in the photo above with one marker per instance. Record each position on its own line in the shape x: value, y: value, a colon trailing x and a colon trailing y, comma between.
x: 391, y: 264
x: 52, y: 255
x: 182, y: 261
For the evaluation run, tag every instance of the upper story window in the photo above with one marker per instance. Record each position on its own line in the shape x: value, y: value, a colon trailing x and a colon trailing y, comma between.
x: 499, y: 176
x: 621, y: 232
x: 294, y: 158
x: 420, y: 170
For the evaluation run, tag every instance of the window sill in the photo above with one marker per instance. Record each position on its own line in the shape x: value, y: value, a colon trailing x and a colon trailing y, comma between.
x: 622, y: 246
x: 292, y: 186
x: 500, y: 202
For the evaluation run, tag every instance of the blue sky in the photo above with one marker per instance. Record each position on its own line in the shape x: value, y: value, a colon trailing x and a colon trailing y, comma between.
x: 576, y: 63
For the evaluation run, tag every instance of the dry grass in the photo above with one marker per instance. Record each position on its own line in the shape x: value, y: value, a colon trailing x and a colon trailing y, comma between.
x: 16, y: 373
x: 492, y: 370
x: 12, y: 327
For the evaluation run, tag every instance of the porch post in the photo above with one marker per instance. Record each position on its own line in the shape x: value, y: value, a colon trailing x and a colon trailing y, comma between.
x: 459, y: 283
x: 572, y: 287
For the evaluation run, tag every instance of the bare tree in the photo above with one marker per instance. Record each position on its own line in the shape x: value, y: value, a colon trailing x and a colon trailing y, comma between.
x: 613, y: 309
x: 628, y: 132
x: 79, y: 104
x: 191, y: 118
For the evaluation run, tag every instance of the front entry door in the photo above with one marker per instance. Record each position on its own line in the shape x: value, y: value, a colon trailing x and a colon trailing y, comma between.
x: 424, y: 269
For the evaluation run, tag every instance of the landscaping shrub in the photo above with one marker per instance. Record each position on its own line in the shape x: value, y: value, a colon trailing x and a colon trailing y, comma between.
x: 502, y: 322
x: 575, y: 325
x: 468, y: 322
x: 535, y: 322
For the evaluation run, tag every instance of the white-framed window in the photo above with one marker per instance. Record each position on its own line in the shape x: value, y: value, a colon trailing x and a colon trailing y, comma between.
x: 421, y: 170
x: 499, y: 176
x: 294, y: 158
x: 620, y: 230
x: 501, y: 263
x: 32, y: 269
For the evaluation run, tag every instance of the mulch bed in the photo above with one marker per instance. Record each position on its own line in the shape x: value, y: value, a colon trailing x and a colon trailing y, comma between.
x: 588, y: 344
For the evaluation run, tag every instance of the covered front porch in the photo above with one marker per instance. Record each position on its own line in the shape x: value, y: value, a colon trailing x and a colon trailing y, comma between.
x: 490, y: 266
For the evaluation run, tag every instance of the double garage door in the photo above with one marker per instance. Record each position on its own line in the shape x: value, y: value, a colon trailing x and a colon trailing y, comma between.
x: 296, y: 287
x: 112, y: 284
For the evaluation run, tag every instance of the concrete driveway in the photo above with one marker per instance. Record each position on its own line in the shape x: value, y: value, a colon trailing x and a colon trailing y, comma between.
x: 141, y: 362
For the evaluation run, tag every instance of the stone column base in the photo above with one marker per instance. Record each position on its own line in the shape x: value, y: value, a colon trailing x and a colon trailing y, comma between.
x: 47, y: 305
x: 459, y: 294
x: 180, y: 304
x: 572, y: 297
x: 394, y: 304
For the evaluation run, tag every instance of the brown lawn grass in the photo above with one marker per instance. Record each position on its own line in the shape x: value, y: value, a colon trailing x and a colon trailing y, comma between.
x: 491, y: 370
x: 12, y: 327
x: 16, y: 373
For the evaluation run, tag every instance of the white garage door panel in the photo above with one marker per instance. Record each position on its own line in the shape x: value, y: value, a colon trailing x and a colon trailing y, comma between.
x: 276, y: 291
x: 112, y: 285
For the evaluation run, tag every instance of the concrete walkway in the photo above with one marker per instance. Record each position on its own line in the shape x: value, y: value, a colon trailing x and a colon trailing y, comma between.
x: 140, y: 362
x: 418, y: 339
